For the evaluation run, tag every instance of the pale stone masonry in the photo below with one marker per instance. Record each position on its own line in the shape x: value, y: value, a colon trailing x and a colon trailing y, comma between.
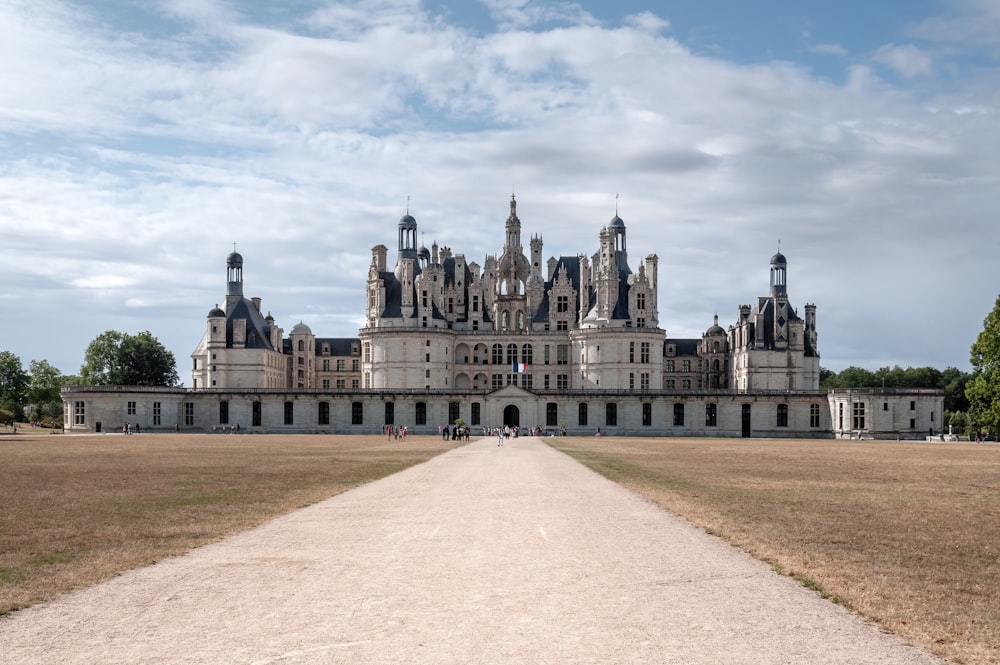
x: 569, y: 343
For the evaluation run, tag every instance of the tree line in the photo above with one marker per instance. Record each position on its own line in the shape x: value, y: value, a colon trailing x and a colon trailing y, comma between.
x: 111, y: 359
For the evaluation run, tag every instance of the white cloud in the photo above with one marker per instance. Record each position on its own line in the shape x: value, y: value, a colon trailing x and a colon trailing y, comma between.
x: 907, y: 60
x: 125, y: 180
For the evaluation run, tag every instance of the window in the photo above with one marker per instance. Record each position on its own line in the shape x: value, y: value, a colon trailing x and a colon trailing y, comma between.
x: 551, y: 414
x: 511, y: 353
x: 497, y: 354
x: 289, y: 413
x: 474, y: 418
x: 223, y: 413
x: 644, y: 352
x: 527, y: 381
x: 326, y: 384
x: 357, y: 413
x: 859, y: 415
x: 340, y: 365
x: 323, y: 417
x: 644, y: 381
x: 711, y: 415
x: 562, y: 325
x: 581, y: 414
x: 640, y: 301
x: 454, y: 412
x: 420, y: 415
x: 669, y: 366
x: 512, y: 379
x: 131, y: 408
x: 545, y: 351
x: 814, y: 415
x: 885, y: 406
x: 562, y: 354
x: 326, y: 365
x: 631, y: 380
x: 685, y: 365
x: 79, y: 413
x: 255, y: 414
x: 496, y: 381
x: 390, y: 413
x: 611, y: 414
x: 562, y: 382
x: 189, y: 413
x: 670, y: 384
x: 678, y: 415
x: 631, y: 352
x: 156, y: 413
x: 340, y: 383
x: 913, y: 406
x: 546, y: 382
x: 782, y: 415
x: 562, y: 303
x: 647, y: 414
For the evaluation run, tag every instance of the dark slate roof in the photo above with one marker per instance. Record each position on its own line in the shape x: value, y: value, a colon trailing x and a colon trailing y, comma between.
x: 572, y: 264
x: 339, y: 346
x: 684, y: 347
x: 258, y: 330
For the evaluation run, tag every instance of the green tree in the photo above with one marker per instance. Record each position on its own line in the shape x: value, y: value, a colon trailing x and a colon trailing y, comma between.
x: 119, y: 359
x: 983, y: 389
x: 43, y: 391
x: 13, y: 384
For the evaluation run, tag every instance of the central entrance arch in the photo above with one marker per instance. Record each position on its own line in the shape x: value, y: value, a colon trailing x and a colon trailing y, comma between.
x: 511, y: 416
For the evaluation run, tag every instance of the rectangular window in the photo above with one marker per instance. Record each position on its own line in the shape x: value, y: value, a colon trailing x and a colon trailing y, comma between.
x: 644, y: 381
x: 326, y: 365
x: 885, y: 406
x: 390, y: 413
x: 669, y: 365
x: 631, y: 352
x: 326, y: 384
x: 631, y: 380
x: 420, y: 415
x: 131, y: 408
x: 670, y: 384
x: 782, y: 415
x: 711, y: 415
x: 913, y: 405
x: 474, y: 418
x: 644, y: 352
x: 223, y: 413
x: 859, y: 415
x: 79, y: 413
x: 496, y: 381
x: 562, y: 354
x: 323, y: 416
x: 678, y: 415
x: 357, y: 413
x: 562, y: 303
x: 562, y: 382
x: 156, y: 413
x: 454, y: 412
x: 647, y: 414
x: 289, y: 413
x: 341, y: 364
x: 685, y: 365
x: 526, y: 381
x: 611, y: 415
x: 562, y: 325
x: 814, y: 415
x: 255, y: 414
x: 188, y: 414
x: 546, y: 382
x: 341, y: 384
x: 581, y: 414
x: 545, y: 354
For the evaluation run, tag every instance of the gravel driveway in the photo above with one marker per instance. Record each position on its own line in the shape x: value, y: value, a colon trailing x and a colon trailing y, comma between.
x: 482, y: 555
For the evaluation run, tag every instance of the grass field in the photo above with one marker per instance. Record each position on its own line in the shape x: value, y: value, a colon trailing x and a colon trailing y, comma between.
x: 907, y: 534
x: 77, y: 509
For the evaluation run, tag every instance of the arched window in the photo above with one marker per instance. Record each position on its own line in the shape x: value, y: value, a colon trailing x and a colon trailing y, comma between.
x: 526, y: 354
x: 302, y: 345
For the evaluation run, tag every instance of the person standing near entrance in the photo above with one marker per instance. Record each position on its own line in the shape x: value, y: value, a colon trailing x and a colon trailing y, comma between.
x: 499, y: 436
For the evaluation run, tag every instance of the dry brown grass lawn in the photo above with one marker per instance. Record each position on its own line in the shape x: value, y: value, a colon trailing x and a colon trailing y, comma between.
x: 77, y: 509
x: 907, y: 534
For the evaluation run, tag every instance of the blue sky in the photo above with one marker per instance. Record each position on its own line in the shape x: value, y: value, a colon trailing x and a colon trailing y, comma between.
x: 140, y: 140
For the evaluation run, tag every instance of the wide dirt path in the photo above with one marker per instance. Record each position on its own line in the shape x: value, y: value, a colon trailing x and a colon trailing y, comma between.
x: 482, y: 555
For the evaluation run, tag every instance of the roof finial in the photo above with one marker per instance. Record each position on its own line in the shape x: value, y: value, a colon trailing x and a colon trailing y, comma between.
x: 407, y: 204
x: 616, y: 205
x: 234, y: 247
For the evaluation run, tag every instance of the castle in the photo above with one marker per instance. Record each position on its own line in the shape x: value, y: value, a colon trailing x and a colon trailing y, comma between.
x: 572, y: 343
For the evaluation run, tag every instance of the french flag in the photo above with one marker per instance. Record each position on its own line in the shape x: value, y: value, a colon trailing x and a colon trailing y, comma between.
x: 520, y: 367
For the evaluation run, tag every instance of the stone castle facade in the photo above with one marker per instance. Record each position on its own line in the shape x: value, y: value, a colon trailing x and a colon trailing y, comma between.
x: 570, y: 343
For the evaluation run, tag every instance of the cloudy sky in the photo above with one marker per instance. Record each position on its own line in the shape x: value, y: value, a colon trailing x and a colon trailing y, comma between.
x: 140, y: 139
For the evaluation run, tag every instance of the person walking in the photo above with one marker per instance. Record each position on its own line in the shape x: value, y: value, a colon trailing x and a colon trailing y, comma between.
x: 499, y: 436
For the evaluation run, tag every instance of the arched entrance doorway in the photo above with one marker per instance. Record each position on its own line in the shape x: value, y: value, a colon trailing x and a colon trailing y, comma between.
x: 512, y: 416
